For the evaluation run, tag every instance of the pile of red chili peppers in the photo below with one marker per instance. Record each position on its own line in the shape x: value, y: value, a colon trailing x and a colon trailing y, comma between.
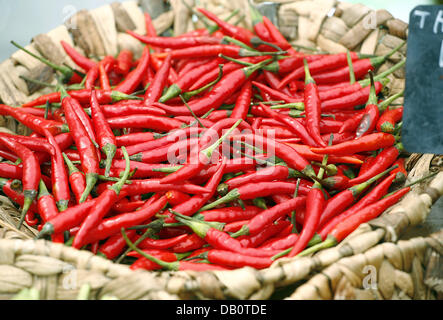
x: 216, y: 149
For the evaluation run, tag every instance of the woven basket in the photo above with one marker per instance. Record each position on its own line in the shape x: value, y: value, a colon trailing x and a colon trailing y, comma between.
x: 403, y: 268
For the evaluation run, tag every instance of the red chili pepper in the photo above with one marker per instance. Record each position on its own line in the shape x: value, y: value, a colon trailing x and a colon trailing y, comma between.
x: 77, y: 180
x: 85, y: 147
x: 134, y: 138
x: 352, y: 100
x: 124, y: 62
x: 278, y: 37
x: 243, y: 102
x: 193, y: 242
x: 274, y: 173
x: 370, y: 142
x: 312, y: 108
x: 306, y: 152
x: 155, y: 89
x: 31, y: 173
x: 382, y: 161
x: 103, y: 75
x: 47, y: 207
x: 144, y: 121
x: 103, y: 204
x: 342, y: 200
x: 33, y: 143
x: 161, y: 244
x: 11, y: 171
x: 186, y: 80
x: 401, y: 173
x: 371, y: 197
x: 80, y: 60
x: 110, y: 226
x: 91, y: 77
x: 388, y: 119
x: 194, y: 204
x: 277, y: 94
x: 143, y: 263
x: 345, y: 227
x: 59, y: 177
x: 227, y: 258
x: 196, y: 163
x: 336, y: 182
x: 115, y: 244
x: 289, y: 155
x: 351, y: 124
x: 105, y: 137
x: 267, y: 217
x: 256, y: 190
x: 371, y: 114
x: 252, y: 242
x: 174, y: 42
x: 361, y: 68
x: 134, y: 78
x: 34, y: 123
x: 176, y: 197
x: 224, y: 88
x: 319, y: 66
x: 229, y: 214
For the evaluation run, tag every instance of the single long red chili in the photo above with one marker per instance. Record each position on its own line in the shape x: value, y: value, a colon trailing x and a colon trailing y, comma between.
x: 276, y: 94
x: 144, y: 121
x: 160, y: 244
x: 134, y: 138
x: 371, y: 113
x: 47, y: 207
x: 103, y: 204
x: 79, y: 59
x: 105, y: 137
x: 174, y: 42
x: 115, y: 244
x: 155, y: 89
x: 143, y: 263
x: 31, y: 173
x: 306, y: 152
x: 361, y: 68
x: 85, y: 147
x: 371, y: 197
x: 59, y: 176
x: 252, y: 242
x: 242, y: 102
x: 33, y: 143
x: 134, y: 78
x: 77, y: 180
x: 382, y: 161
x: 267, y: 217
x: 278, y: 37
x: 176, y: 197
x: 260, y: 189
x: 370, y: 142
x: 229, y: 214
x: 312, y: 107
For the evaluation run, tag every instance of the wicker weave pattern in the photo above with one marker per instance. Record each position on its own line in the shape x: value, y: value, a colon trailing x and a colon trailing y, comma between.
x: 327, y: 25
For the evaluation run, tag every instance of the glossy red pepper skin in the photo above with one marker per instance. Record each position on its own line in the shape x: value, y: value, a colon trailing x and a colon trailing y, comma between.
x: 134, y: 138
x: 155, y: 89
x: 350, y: 101
x: 229, y: 214
x: 59, y: 176
x: 243, y: 102
x: 124, y: 62
x: 33, y: 122
x: 158, y: 123
x: 372, y: 196
x: 345, y: 227
x: 174, y: 42
x: 319, y: 66
x: 381, y: 162
x: 368, y: 121
x: 370, y: 142
x: 162, y: 244
x: 112, y: 225
x: 80, y: 60
x: 134, y: 78
x: 115, y: 244
x: 388, y: 120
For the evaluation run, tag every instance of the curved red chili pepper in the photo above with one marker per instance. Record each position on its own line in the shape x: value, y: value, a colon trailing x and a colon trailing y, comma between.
x: 388, y: 119
x: 134, y: 78
x: 80, y: 60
